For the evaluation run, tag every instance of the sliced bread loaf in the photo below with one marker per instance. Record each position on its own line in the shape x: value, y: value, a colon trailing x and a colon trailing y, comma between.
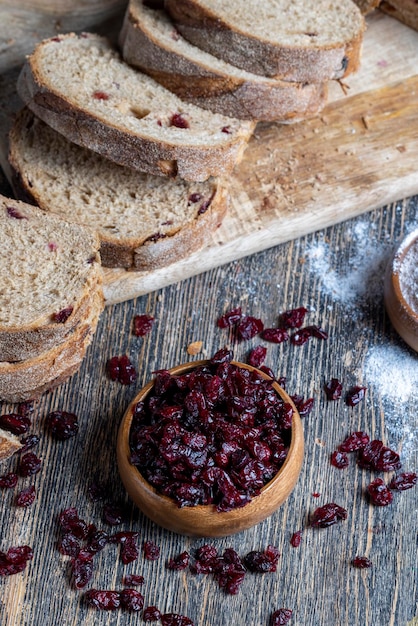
x: 9, y: 444
x: 28, y: 379
x: 81, y: 87
x: 289, y: 39
x: 143, y: 221
x: 405, y: 11
x: 50, y: 270
x: 150, y: 42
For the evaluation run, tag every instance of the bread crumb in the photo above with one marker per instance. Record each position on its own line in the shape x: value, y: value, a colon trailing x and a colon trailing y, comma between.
x: 195, y: 347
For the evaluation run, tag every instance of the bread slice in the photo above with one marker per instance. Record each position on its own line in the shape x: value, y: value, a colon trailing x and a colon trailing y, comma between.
x: 9, y: 444
x: 50, y: 269
x: 27, y: 380
x: 290, y: 39
x: 143, y: 221
x: 366, y: 6
x: 81, y: 87
x: 406, y: 11
x: 150, y: 42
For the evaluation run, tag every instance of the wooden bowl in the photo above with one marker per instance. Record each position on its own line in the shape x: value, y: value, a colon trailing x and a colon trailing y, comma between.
x: 205, y: 520
x: 401, y: 290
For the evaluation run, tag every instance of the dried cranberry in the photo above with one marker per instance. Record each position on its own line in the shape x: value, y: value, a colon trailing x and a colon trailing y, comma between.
x: 376, y: 456
x: 103, y: 600
x: 151, y: 614
x: 133, y: 580
x: 304, y: 334
x: 230, y: 318
x: 179, y: 121
x: 194, y: 197
x: 100, y: 95
x: 142, y: 325
x: 70, y: 521
x: 296, y: 539
x: 339, y: 459
x: 361, y: 562
x: 96, y: 540
x: 228, y: 571
x: 62, y: 316
x: 257, y: 356
x: 29, y: 442
x: 173, y: 619
x: 121, y: 369
x: 69, y: 545
x: 14, y: 560
x: 327, y: 515
x: 14, y: 212
x: 354, y: 441
x: 274, y: 335
x: 129, y: 548
x: 293, y: 318
x: 262, y: 562
x: 97, y: 491
x: 14, y: 423
x: 151, y: 550
x: 304, y: 407
x: 268, y: 371
x: 26, y: 497
x: 403, y: 481
x: 226, y: 129
x: 29, y: 464
x: 8, y: 481
x: 131, y: 600
x: 113, y: 514
x: 378, y: 492
x: 179, y: 562
x: 333, y: 389
x: 281, y: 617
x: 355, y: 395
x: 63, y: 425
x: 82, y: 569
x: 248, y: 327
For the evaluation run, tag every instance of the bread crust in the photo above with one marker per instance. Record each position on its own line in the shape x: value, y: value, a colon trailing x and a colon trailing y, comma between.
x: 205, y: 29
x: 245, y: 97
x: 406, y: 11
x: 158, y: 157
x: 9, y: 444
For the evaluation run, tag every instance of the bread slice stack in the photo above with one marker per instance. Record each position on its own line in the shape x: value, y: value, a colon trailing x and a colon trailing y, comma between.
x: 50, y: 301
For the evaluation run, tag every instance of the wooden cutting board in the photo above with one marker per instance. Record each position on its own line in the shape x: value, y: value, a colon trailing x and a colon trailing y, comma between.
x: 359, y: 154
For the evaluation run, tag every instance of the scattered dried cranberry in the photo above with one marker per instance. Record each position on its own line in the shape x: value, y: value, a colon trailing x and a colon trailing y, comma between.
x: 355, y: 395
x: 131, y: 600
x: 133, y: 580
x: 274, y: 335
x: 262, y: 562
x: 304, y: 407
x: 281, y: 617
x: 179, y: 121
x: 103, y: 600
x: 267, y: 370
x: 257, y: 356
x: 333, y: 389
x: 379, y: 494
x: 14, y: 560
x: 304, y: 334
x: 376, y: 456
x: 339, y: 459
x: 14, y: 423
x: 121, y: 369
x: 113, y: 514
x: 151, y: 551
x: 70, y: 522
x: 293, y: 318
x: 173, y: 619
x: 327, y: 515
x: 129, y: 548
x: 142, y: 325
x: 403, y: 481
x: 69, y: 545
x: 296, y: 539
x: 361, y: 562
x: 63, y: 425
x: 29, y: 464
x: 26, y: 497
x: 96, y: 540
x: 82, y: 569
x: 230, y: 318
x: 151, y: 614
x: 8, y: 481
x: 62, y: 316
x: 226, y: 129
x: 229, y: 571
x: 248, y: 327
x: 29, y: 442
x: 179, y: 562
x: 354, y: 441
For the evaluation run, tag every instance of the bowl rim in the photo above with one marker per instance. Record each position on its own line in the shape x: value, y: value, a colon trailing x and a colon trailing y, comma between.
x: 395, y: 267
x: 123, y: 446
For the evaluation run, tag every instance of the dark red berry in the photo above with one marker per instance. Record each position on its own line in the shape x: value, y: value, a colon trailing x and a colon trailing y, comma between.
x: 355, y: 395
x: 230, y: 318
x: 62, y: 316
x: 131, y: 600
x: 303, y: 335
x: 361, y: 562
x: 26, y: 497
x: 14, y: 560
x: 29, y: 464
x: 379, y: 494
x: 327, y: 515
x: 151, y: 614
x: 173, y: 619
x: 121, y: 369
x: 103, y: 600
x: 69, y: 545
x: 113, y: 514
x: 376, y: 456
x: 262, y: 562
x: 403, y: 481
x: 142, y: 325
x: 14, y: 423
x: 8, y: 481
x: 333, y: 389
x: 179, y: 562
x: 274, y: 335
x: 133, y: 580
x: 82, y: 569
x: 29, y: 442
x: 354, y: 441
x: 62, y: 425
x: 248, y: 327
x: 280, y: 617
x: 100, y: 95
x: 339, y: 459
x: 296, y: 539
x: 257, y: 356
x: 151, y: 551
x: 70, y: 522
x: 293, y: 318
x: 179, y: 121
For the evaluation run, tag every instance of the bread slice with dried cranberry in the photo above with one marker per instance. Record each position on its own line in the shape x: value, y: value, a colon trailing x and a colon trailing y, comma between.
x: 79, y: 85
x: 143, y: 221
x: 293, y: 40
x: 150, y: 42
x: 9, y: 444
x: 51, y: 271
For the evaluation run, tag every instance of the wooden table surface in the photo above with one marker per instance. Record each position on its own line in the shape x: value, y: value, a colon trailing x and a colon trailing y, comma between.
x: 337, y: 274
